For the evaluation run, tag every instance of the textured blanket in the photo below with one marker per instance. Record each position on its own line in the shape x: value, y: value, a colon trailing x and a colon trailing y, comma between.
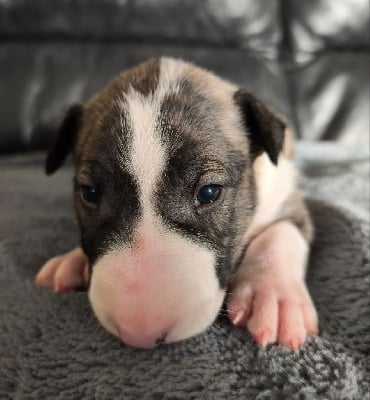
x: 51, y: 346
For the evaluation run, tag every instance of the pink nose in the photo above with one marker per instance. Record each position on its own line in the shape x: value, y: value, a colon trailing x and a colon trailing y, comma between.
x: 142, y: 341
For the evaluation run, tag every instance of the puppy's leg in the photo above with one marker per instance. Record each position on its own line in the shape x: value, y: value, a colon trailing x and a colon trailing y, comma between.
x: 66, y: 272
x: 269, y: 295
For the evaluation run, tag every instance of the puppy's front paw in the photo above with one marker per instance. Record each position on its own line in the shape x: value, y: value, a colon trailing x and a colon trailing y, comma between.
x: 273, y: 311
x: 65, y: 273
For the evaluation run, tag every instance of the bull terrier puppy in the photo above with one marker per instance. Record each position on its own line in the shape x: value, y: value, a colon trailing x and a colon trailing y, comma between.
x: 185, y: 194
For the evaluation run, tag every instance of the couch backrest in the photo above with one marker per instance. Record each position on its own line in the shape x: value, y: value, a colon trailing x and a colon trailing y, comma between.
x: 307, y: 59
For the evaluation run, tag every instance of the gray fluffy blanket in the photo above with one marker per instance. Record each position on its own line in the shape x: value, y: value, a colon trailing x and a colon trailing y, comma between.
x: 51, y: 346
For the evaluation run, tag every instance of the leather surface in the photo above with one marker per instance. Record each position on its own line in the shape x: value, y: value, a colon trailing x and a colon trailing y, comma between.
x: 241, y: 23
x: 308, y: 60
x: 49, y: 81
x: 317, y: 25
x: 331, y: 97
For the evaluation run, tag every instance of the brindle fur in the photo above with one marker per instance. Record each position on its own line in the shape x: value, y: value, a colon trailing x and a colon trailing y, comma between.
x: 201, y: 151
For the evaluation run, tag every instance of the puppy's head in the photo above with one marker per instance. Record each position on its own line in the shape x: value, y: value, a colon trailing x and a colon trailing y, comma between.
x: 164, y: 191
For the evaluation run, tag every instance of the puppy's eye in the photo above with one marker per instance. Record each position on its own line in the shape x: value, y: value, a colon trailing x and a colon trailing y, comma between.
x: 89, y: 194
x: 208, y: 194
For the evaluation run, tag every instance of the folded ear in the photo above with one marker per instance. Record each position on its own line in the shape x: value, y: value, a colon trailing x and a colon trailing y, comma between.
x: 265, y: 129
x: 64, y: 140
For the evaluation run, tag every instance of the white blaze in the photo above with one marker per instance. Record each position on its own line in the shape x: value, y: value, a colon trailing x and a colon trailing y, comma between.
x: 148, y: 154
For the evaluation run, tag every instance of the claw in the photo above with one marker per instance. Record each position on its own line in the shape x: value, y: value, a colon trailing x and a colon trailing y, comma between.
x: 238, y: 317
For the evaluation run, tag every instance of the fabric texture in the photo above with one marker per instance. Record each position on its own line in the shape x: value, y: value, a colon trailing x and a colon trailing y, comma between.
x: 51, y: 346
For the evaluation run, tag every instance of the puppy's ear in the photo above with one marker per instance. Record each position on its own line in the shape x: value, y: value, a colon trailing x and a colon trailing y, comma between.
x: 64, y: 140
x: 265, y: 129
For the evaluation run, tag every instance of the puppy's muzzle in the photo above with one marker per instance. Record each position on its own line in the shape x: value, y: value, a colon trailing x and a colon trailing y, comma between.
x: 164, y: 291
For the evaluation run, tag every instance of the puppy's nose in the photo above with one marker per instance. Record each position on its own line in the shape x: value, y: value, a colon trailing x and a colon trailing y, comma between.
x: 161, y: 339
x: 142, y: 341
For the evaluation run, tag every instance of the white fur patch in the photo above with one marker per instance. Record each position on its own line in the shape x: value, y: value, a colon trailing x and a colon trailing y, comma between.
x: 274, y: 185
x: 147, y: 159
x: 147, y: 155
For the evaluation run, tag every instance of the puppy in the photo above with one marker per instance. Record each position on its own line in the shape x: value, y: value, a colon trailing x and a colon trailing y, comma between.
x: 185, y: 195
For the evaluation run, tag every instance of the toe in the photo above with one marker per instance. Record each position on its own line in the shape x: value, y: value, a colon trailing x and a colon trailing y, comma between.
x: 240, y: 305
x: 263, y: 323
x: 71, y: 274
x: 45, y: 277
x: 310, y: 318
x: 292, y: 331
